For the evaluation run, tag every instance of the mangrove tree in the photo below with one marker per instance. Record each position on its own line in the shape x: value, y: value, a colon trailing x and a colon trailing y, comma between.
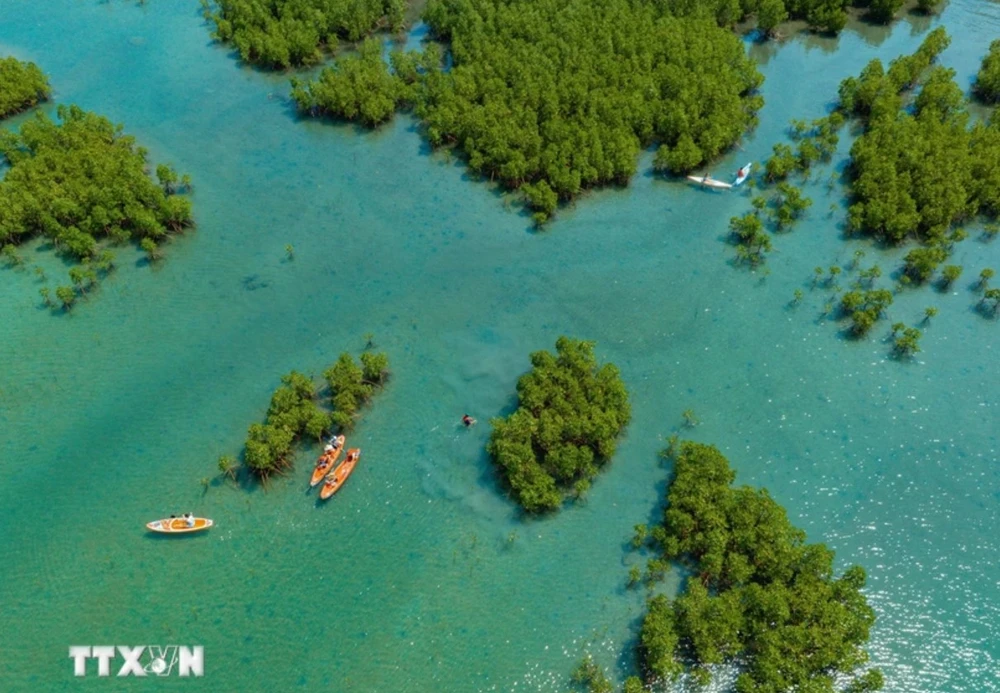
x: 570, y: 413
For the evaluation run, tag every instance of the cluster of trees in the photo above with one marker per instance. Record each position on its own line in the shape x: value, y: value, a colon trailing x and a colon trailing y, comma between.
x: 551, y: 97
x: 918, y: 169
x: 82, y: 183
x: 362, y: 87
x: 758, y: 596
x: 297, y: 409
x: 293, y: 412
x: 278, y: 34
x: 816, y: 142
x: 570, y: 413
x: 824, y: 16
x: 865, y: 308
x: 22, y: 85
x: 352, y: 385
x: 988, y: 79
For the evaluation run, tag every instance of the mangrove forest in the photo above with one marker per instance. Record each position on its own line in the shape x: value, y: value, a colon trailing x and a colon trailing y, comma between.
x: 552, y: 97
x: 757, y: 596
x: 82, y: 184
x: 299, y: 409
x: 570, y: 413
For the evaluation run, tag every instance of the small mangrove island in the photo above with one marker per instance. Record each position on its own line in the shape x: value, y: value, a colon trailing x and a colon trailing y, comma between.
x: 757, y: 595
x: 570, y: 413
x: 84, y: 185
x: 298, y: 410
x: 22, y: 85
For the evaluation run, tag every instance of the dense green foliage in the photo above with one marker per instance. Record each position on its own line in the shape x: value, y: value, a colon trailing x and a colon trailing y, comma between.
x: 552, y: 97
x: 81, y: 182
x: 351, y: 385
x: 919, y: 173
x: 759, y: 595
x: 361, y: 87
x: 569, y: 416
x: 562, y: 94
x: 283, y: 33
x: 988, y: 79
x: 22, y: 85
x: 294, y: 411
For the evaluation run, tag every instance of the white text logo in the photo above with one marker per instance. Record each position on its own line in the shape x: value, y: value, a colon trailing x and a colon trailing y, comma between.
x: 142, y: 660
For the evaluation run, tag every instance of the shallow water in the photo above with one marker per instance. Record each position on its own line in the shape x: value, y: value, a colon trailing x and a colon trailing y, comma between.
x: 419, y: 575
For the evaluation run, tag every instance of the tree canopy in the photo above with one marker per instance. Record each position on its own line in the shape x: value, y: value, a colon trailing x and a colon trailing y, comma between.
x: 570, y: 413
x: 351, y: 385
x: 22, y: 85
x: 759, y: 595
x: 294, y: 411
x: 82, y: 181
x: 988, y: 79
x: 278, y: 34
x: 918, y: 169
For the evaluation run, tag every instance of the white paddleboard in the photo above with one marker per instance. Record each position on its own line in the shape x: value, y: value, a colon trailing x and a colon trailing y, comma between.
x: 743, y: 174
x: 710, y: 182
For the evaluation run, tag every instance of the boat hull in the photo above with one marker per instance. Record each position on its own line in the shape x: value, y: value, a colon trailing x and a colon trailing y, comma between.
x: 326, y: 462
x: 335, y: 479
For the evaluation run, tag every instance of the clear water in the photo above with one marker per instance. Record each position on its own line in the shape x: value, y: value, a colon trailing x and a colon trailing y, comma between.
x: 419, y: 575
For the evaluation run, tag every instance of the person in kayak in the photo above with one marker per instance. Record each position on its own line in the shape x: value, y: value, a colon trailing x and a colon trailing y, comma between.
x: 189, y: 518
x: 741, y: 172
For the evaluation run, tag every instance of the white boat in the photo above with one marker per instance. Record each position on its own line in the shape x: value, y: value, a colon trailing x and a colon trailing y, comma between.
x: 743, y: 174
x: 710, y: 182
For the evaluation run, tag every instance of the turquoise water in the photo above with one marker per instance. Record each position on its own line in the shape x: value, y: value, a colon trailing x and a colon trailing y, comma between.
x: 411, y: 578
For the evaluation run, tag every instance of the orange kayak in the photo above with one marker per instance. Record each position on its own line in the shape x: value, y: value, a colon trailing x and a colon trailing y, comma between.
x: 336, y: 478
x: 326, y: 461
x: 178, y: 525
